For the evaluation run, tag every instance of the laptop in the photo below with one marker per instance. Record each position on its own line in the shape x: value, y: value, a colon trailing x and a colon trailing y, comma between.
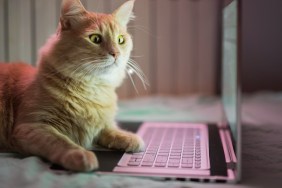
x: 191, y: 151
x: 203, y: 152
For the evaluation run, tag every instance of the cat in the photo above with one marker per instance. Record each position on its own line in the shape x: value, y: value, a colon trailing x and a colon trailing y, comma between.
x: 68, y: 102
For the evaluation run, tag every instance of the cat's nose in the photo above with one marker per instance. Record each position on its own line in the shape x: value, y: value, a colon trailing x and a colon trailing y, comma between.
x: 114, y: 54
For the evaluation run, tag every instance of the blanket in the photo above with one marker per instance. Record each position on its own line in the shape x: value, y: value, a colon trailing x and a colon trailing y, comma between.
x: 261, y: 144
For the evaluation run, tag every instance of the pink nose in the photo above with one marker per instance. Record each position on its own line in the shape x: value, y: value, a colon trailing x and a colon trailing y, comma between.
x: 114, y: 54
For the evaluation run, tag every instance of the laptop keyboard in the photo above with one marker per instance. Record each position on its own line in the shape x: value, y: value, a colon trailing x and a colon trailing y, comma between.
x: 168, y: 147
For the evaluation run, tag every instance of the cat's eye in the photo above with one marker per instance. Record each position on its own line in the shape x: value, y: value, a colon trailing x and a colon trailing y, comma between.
x: 121, y: 39
x: 96, y: 38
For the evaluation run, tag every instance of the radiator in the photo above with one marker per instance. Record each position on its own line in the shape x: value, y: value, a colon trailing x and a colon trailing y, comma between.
x: 176, y: 42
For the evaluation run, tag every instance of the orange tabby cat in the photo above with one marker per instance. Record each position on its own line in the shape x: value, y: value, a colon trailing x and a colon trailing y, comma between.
x: 68, y: 103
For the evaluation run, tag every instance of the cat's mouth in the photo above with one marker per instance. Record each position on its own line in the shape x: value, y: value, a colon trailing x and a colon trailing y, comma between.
x: 107, y: 66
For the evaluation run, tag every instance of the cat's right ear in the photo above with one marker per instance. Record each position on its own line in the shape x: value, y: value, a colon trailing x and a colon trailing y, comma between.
x: 72, y: 14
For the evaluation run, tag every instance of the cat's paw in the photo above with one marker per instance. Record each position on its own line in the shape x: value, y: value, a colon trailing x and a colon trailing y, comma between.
x: 80, y: 160
x: 121, y: 140
x: 135, y: 144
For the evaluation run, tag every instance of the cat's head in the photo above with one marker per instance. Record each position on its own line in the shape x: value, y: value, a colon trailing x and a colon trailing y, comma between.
x: 91, y: 44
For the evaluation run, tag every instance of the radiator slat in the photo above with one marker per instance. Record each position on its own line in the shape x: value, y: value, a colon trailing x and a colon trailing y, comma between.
x: 46, y: 21
x: 19, y: 30
x: 164, y: 45
x: 187, y: 47
x: 141, y: 42
x: 208, y: 48
x: 2, y: 31
x: 95, y: 6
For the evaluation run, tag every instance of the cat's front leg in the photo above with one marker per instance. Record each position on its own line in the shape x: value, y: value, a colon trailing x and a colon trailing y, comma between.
x: 116, y: 138
x: 46, y: 142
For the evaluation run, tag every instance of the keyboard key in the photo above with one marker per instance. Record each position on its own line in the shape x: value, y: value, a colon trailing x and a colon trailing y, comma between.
x: 161, y: 159
x: 134, y: 160
x: 173, y: 165
x: 185, y: 148
x: 152, y: 149
x: 198, y: 162
x: 175, y: 157
x: 188, y: 153
x: 186, y: 165
x: 164, y: 150
x: 174, y: 161
x: 176, y: 150
x: 197, y: 166
x: 147, y: 164
x: 175, y: 154
x: 134, y: 163
x: 136, y: 156
x: 187, y: 160
x: 187, y: 156
x: 151, y: 152
x: 188, y: 148
x: 179, y: 147
x: 167, y: 145
x: 163, y: 154
x: 149, y: 157
x: 198, y: 159
x: 160, y: 164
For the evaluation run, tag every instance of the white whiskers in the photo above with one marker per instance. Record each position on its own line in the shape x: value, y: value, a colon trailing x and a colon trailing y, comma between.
x: 133, y: 67
x: 89, y: 67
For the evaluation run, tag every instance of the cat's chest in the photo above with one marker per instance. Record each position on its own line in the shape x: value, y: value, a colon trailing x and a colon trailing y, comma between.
x: 89, y: 115
x: 92, y: 109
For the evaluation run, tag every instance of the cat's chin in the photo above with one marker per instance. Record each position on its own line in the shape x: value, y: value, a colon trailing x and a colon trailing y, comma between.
x: 109, y: 66
x: 111, y: 76
x: 113, y: 66
x: 106, y: 70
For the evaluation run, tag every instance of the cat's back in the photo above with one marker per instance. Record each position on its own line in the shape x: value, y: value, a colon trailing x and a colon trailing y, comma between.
x: 15, y: 70
x: 14, y: 78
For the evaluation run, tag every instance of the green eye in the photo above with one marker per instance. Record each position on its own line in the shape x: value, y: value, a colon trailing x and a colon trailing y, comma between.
x: 121, y: 39
x: 96, y: 38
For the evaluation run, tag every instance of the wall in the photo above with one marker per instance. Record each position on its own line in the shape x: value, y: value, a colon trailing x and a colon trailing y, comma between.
x: 262, y: 45
x: 175, y: 41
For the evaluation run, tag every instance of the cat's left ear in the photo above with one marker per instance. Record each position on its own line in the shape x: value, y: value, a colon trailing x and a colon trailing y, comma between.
x: 124, y: 13
x: 72, y: 14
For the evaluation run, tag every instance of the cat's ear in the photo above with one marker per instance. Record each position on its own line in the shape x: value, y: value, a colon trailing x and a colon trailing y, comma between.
x: 72, y: 14
x: 124, y: 13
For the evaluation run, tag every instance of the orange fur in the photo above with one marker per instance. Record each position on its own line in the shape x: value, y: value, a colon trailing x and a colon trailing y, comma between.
x: 68, y: 103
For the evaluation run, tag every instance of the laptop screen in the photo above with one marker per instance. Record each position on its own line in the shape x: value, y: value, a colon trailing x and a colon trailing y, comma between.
x: 230, y: 90
x: 230, y: 73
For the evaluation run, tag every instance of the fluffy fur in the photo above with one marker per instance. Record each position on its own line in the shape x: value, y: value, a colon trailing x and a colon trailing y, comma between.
x: 67, y: 104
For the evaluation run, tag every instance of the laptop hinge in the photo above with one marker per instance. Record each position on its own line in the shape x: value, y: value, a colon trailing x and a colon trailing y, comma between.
x: 228, y: 148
